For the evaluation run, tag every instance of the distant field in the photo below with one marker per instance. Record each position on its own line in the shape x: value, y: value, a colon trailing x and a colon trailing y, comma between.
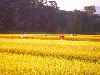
x: 77, y: 37
x: 35, y: 56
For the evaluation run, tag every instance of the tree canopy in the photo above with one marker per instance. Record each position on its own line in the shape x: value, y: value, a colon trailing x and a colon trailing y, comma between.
x: 17, y: 16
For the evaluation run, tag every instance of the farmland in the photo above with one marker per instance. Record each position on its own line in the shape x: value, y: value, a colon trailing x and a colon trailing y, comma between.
x: 48, y: 55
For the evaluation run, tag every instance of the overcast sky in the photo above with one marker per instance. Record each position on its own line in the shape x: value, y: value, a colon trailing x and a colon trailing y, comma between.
x: 75, y: 4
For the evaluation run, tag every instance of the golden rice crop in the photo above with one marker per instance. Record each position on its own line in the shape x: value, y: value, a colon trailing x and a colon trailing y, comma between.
x: 52, y: 36
x: 14, y: 64
x: 49, y: 57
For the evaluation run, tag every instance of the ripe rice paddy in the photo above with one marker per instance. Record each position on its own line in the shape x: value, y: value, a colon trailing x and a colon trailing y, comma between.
x: 36, y: 56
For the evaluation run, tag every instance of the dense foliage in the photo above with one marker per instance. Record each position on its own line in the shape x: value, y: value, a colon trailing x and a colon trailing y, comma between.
x: 18, y: 16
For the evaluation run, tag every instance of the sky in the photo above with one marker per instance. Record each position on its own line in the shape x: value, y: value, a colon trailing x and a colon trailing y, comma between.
x: 75, y: 4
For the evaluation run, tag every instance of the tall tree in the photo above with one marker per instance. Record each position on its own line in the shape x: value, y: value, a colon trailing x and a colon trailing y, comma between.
x: 90, y: 10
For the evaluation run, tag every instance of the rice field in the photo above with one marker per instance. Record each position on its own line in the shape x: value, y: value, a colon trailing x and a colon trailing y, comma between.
x: 35, y: 56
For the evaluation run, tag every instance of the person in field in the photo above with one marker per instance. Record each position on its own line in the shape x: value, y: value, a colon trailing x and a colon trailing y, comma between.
x: 61, y: 36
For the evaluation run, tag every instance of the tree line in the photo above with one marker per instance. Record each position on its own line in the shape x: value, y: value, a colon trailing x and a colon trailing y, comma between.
x: 41, y: 16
